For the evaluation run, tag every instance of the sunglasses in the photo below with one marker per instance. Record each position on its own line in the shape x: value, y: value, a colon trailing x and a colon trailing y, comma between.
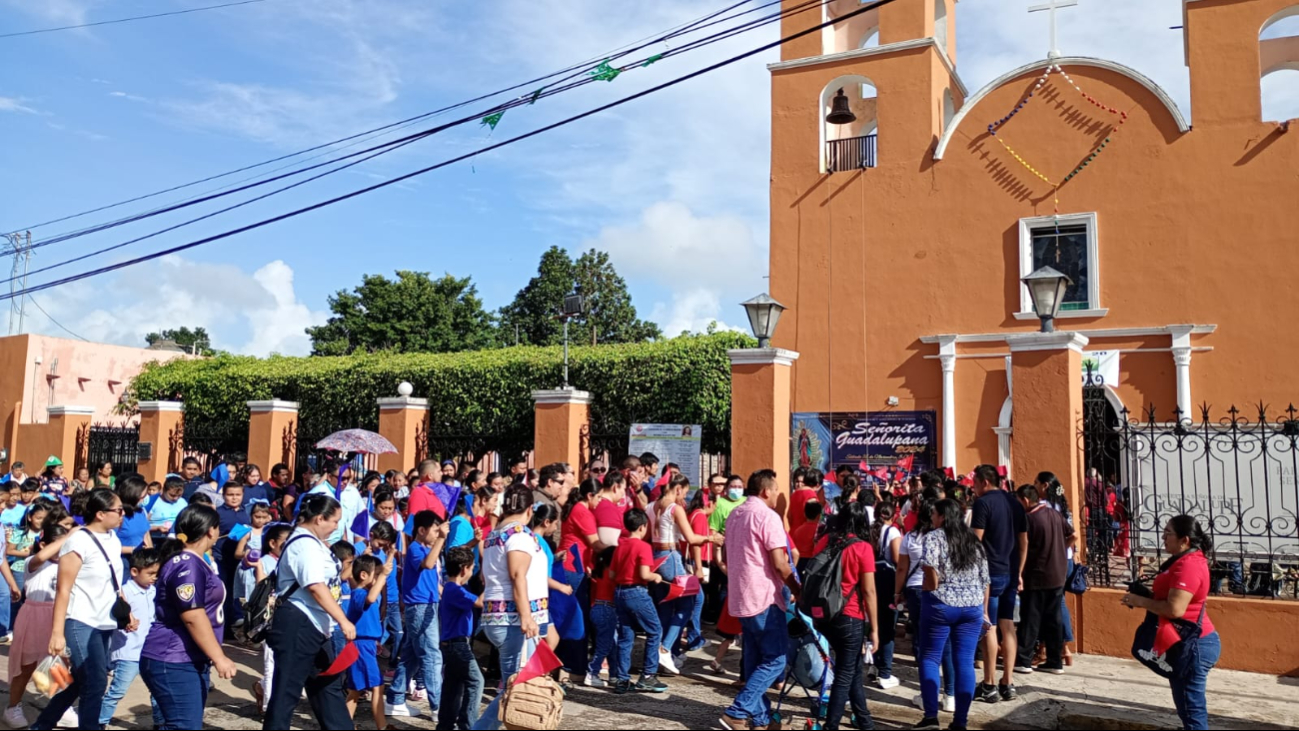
x: 717, y: 484
x: 599, y: 470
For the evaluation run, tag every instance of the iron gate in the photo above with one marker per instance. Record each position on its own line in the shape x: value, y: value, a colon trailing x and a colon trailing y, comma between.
x: 117, y: 444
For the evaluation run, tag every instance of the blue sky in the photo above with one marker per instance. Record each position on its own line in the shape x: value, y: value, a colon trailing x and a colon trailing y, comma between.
x: 673, y: 186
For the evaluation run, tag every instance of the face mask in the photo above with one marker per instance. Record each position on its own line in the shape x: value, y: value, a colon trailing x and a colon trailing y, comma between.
x: 734, y: 493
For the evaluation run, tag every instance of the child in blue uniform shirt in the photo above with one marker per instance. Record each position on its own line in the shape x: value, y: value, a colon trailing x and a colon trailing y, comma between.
x: 383, y: 542
x: 420, y: 578
x: 345, y: 553
x: 462, y: 687
x: 369, y: 577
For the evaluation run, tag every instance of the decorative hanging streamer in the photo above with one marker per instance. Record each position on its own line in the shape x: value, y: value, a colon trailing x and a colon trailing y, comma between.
x: 996, y: 126
x: 492, y: 120
x: 652, y: 60
x: 605, y: 72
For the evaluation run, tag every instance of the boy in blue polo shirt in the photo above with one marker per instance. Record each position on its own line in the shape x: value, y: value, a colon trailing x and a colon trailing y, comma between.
x: 419, y: 593
x: 383, y: 541
x: 462, y: 693
x: 369, y: 577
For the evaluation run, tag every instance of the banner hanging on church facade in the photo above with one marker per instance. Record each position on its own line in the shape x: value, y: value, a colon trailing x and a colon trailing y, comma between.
x: 879, y: 438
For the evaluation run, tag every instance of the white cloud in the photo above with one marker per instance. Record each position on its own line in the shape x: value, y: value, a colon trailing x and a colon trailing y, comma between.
x: 256, y: 313
x: 692, y: 310
x: 62, y: 12
x: 10, y: 104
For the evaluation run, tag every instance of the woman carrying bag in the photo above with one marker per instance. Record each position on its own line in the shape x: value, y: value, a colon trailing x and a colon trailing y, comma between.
x: 1178, y: 640
x: 88, y: 608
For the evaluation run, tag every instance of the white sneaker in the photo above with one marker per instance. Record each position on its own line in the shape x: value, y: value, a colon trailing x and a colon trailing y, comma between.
x: 594, y: 681
x: 888, y: 683
x: 949, y: 704
x: 15, y: 718
x: 69, y: 719
x: 7, y: 639
x: 666, y: 664
x: 401, y: 709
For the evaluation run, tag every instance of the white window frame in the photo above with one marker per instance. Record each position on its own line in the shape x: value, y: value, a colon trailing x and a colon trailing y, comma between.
x: 1026, y: 227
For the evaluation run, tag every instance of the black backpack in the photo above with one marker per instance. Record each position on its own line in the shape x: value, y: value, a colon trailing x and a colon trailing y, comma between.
x: 822, y: 597
x: 259, y: 608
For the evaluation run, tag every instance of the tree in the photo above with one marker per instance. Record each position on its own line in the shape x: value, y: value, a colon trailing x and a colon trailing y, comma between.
x: 608, y: 317
x: 411, y: 314
x: 193, y: 341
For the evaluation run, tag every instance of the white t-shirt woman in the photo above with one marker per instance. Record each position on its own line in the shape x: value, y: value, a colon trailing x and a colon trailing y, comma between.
x: 913, y: 545
x: 498, y: 599
x: 92, y: 598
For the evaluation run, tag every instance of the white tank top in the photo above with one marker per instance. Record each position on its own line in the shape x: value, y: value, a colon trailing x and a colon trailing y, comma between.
x: 665, y: 530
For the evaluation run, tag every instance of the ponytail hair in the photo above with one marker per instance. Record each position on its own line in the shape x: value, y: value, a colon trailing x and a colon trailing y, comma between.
x: 195, y: 523
x: 850, y: 485
x: 885, y: 509
x: 316, y: 505
x: 584, y: 491
x: 131, y: 489
x: 516, y: 501
x: 98, y: 500
x: 1186, y: 526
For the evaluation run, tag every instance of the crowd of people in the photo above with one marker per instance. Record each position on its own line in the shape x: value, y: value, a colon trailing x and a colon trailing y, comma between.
x: 382, y: 583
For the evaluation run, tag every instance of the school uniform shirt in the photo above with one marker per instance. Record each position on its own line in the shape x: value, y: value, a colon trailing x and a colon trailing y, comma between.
x: 805, y: 539
x: 365, y: 616
x: 352, y: 504
x: 602, y: 589
x: 418, y: 585
x: 269, y: 563
x: 256, y: 493
x: 498, y: 601
x: 798, y: 508
x: 457, y: 617
x: 186, y: 582
x: 11, y: 519
x: 92, y: 593
x: 628, y: 557
x: 362, y: 524
x: 858, y: 559
x: 127, y: 645
x: 133, y: 529
x: 608, y: 522
x: 229, y: 517
x: 461, y: 533
x: 580, y: 524
x: 392, y: 589
x: 306, y: 560
x: 163, y: 513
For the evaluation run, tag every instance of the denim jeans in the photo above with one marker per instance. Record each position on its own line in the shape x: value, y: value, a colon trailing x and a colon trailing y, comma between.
x: 605, y: 618
x: 301, y: 652
x: 392, y: 623
x: 180, y: 690
x: 1188, y: 692
x: 949, y: 668
x: 846, y: 636
x: 673, y: 615
x: 462, y: 692
x: 766, y: 643
x: 963, y: 625
x: 1066, y: 620
x: 88, y: 649
x: 422, y: 655
x: 695, y: 628
x: 887, y: 615
x: 124, y: 672
x: 1002, y: 593
x: 514, y: 649
x: 636, y: 611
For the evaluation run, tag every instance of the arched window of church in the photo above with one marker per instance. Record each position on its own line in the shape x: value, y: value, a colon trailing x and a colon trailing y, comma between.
x: 1279, y: 59
x: 849, y: 124
x: 940, y: 23
x: 852, y: 33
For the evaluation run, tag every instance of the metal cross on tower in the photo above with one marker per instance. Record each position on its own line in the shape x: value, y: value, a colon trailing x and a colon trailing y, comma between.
x: 1052, y: 6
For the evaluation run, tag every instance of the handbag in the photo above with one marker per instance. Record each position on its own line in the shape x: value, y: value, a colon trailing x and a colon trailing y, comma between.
x: 121, y: 611
x: 533, y: 701
x: 1077, y: 583
x: 1178, y: 658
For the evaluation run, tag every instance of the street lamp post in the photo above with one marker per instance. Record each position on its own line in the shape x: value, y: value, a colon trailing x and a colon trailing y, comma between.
x: 1046, y: 287
x: 573, y: 305
x: 764, y: 312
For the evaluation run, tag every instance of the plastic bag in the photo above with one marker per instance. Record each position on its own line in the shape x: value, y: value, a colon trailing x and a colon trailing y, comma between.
x: 52, y: 675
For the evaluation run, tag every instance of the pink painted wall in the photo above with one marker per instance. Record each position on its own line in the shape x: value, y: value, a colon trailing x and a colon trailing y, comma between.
x: 88, y: 374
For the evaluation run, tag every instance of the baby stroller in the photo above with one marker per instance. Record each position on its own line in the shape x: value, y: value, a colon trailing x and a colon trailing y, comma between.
x: 808, y: 666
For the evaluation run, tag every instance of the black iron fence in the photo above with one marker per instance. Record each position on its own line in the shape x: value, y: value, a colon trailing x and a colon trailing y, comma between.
x: 117, y: 444
x: 1235, y: 473
x: 210, y: 446
x: 614, y: 447
x: 853, y: 153
x: 491, y: 452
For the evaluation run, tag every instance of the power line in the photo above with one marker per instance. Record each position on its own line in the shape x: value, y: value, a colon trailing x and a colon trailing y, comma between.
x: 51, y: 319
x: 381, y: 149
x: 579, y: 68
x: 128, y: 20
x: 452, y: 161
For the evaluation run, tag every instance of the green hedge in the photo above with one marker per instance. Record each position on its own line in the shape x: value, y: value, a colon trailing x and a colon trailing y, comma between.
x: 488, y: 392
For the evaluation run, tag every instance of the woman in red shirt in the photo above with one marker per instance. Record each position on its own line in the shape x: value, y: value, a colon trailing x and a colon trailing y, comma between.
x: 847, y: 633
x: 804, y: 492
x: 1181, y: 590
x: 609, y: 509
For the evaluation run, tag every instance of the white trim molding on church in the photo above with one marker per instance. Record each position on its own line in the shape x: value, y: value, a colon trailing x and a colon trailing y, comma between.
x: 1179, y: 346
x: 1037, y: 66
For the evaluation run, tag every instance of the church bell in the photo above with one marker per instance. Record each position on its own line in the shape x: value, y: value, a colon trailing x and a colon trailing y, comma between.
x: 839, y: 112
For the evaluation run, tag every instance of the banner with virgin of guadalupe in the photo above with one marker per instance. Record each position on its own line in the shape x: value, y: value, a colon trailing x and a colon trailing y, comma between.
x: 877, y: 438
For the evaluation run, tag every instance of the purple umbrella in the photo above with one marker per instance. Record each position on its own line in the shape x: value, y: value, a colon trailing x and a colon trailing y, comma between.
x: 357, y: 440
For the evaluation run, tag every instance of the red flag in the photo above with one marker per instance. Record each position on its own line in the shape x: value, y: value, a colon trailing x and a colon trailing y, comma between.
x: 542, y: 663
x: 667, y: 475
x: 970, y: 476
x: 951, y: 473
x: 881, y: 473
x: 684, y: 585
x: 1001, y: 470
x: 659, y: 564
x: 346, y: 658
x: 864, y: 466
x: 832, y: 478
x: 906, y: 463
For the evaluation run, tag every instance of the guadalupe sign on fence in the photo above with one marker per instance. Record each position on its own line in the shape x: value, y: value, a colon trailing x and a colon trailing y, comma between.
x: 676, y: 443
x: 878, y: 438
